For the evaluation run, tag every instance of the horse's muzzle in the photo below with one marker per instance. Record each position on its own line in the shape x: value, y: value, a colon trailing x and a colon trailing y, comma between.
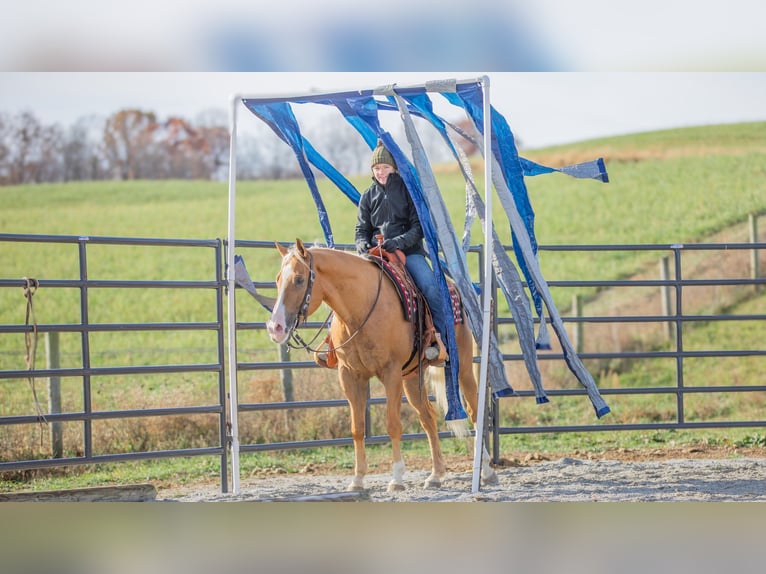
x: 277, y: 331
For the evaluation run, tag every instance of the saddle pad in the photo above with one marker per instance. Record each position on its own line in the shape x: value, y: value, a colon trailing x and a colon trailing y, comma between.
x: 407, y: 289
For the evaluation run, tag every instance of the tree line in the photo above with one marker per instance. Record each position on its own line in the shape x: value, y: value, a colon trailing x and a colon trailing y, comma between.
x: 136, y: 144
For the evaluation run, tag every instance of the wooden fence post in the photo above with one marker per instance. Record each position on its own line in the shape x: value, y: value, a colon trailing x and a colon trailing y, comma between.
x: 753, y: 226
x: 52, y: 361
x: 286, y: 375
x: 577, y: 335
x: 665, y: 297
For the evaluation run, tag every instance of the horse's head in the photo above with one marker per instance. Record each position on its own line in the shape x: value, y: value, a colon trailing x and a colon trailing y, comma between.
x: 294, y: 282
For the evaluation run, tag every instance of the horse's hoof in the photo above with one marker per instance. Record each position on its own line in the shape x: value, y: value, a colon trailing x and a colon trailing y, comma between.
x: 432, y: 484
x: 354, y: 487
x: 491, y: 480
x: 395, y: 486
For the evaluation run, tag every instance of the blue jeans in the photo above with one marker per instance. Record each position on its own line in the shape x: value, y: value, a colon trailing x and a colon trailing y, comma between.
x: 425, y: 279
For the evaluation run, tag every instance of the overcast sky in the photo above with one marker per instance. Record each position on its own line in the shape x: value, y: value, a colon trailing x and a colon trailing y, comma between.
x: 542, y: 108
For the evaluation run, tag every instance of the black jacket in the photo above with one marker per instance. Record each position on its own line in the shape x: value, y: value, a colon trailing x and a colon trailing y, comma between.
x: 389, y: 210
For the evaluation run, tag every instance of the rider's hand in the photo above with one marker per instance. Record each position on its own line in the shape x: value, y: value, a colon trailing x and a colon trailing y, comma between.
x: 389, y: 245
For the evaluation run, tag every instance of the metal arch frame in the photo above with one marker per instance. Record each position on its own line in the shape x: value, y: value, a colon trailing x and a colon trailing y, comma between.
x: 236, y: 101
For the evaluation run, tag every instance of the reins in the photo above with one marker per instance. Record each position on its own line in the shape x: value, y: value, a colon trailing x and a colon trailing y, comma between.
x: 303, y: 312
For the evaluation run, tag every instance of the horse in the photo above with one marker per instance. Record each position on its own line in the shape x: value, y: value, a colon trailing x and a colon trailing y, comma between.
x: 371, y: 337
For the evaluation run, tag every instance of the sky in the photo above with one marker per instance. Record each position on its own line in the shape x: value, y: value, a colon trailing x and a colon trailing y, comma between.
x: 542, y: 108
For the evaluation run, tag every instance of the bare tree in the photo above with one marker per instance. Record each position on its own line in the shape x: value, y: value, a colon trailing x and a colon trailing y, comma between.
x: 5, y: 151
x: 29, y: 151
x: 128, y: 142
x: 47, y: 162
x: 341, y: 145
x: 83, y: 158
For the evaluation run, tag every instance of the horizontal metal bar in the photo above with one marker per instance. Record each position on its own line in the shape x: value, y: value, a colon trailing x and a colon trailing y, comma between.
x: 115, y: 284
x: 545, y: 356
x: 323, y: 95
x: 105, y: 371
x: 109, y: 327
x: 651, y: 247
x: 106, y: 240
x: 347, y: 441
x: 105, y: 458
x: 712, y: 389
x: 630, y: 427
x: 107, y: 415
x: 283, y: 405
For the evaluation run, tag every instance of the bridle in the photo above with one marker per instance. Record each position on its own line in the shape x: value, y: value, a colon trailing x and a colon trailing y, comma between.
x: 302, y: 314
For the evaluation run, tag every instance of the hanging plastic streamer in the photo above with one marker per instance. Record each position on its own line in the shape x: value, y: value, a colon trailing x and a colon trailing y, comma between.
x: 360, y: 110
x: 369, y: 113
x: 280, y: 118
x: 468, y: 100
x: 455, y: 258
x: 508, y: 278
x: 509, y: 174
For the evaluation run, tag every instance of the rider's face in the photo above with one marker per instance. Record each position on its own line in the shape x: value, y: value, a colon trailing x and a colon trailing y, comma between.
x: 381, y: 171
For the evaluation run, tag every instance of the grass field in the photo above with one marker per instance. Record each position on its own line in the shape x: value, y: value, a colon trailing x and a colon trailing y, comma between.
x: 676, y: 186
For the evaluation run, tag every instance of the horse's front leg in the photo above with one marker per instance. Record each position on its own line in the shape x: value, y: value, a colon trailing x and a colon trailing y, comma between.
x: 418, y: 398
x: 393, y: 384
x: 355, y: 389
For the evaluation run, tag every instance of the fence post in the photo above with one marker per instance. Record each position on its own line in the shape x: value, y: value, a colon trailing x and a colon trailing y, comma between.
x: 753, y: 226
x: 665, y: 296
x: 52, y: 361
x: 577, y: 335
x: 286, y: 375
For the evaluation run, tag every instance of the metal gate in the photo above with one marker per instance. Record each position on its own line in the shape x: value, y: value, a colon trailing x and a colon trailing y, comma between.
x: 673, y: 282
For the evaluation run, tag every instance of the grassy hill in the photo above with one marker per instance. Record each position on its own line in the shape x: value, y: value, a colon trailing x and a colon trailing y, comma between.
x: 674, y: 186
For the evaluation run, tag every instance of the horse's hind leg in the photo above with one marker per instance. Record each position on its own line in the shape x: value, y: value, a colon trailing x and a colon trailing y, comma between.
x: 418, y: 398
x: 355, y: 390
x: 470, y: 390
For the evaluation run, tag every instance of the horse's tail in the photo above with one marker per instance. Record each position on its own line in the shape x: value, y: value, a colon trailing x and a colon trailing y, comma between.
x: 435, y: 379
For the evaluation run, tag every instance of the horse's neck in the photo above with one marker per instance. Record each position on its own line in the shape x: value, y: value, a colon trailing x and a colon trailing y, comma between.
x: 346, y: 282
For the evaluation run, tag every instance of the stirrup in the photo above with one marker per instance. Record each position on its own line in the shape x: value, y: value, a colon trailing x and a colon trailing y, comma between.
x: 436, y: 354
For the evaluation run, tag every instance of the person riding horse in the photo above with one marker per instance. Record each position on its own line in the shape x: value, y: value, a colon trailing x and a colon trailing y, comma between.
x: 386, y: 209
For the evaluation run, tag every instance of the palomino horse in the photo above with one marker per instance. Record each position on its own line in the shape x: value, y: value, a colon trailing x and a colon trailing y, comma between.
x: 371, y: 337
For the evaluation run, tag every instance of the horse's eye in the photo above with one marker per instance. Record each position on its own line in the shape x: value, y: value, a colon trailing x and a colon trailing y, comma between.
x: 299, y: 280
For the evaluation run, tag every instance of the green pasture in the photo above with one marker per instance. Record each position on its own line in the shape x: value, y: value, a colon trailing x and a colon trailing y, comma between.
x: 676, y: 186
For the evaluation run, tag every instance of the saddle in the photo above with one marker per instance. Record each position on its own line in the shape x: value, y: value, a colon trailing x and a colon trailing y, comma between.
x: 415, y: 309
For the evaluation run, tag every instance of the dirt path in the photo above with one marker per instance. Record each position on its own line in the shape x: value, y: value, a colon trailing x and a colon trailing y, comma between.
x: 702, y: 475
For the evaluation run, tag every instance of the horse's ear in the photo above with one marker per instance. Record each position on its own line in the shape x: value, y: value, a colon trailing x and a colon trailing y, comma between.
x: 300, y: 247
x: 281, y: 248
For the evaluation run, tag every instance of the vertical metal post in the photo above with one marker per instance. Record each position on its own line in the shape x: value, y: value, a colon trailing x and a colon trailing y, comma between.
x: 481, y: 414
x: 223, y: 430
x: 754, y: 263
x: 85, y: 340
x: 679, y: 334
x: 494, y: 403
x: 665, y: 296
x: 231, y: 303
x: 52, y: 361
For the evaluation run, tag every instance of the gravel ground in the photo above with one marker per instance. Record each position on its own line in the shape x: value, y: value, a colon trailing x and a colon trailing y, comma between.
x: 563, y: 480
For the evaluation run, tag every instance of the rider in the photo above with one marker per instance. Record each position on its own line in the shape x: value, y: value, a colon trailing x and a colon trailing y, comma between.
x: 386, y: 208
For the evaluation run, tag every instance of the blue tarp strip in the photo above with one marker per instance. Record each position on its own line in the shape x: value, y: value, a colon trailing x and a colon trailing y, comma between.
x: 280, y: 118
x: 510, y: 178
x: 361, y: 110
x: 451, y: 248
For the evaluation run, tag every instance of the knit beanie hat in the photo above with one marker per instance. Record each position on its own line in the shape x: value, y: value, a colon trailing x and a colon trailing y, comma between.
x: 381, y: 155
